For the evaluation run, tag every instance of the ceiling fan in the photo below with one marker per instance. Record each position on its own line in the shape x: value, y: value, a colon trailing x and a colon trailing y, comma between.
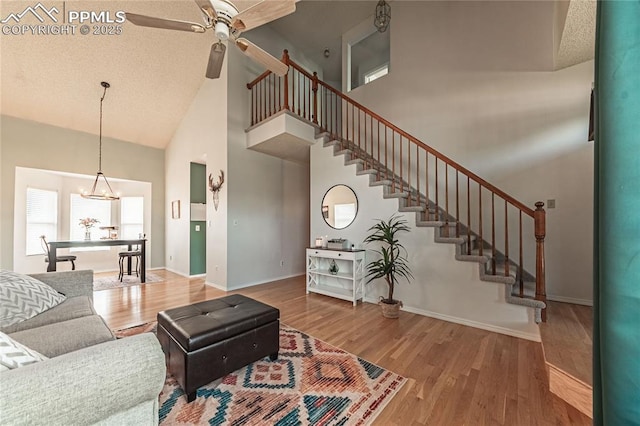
x: 227, y: 23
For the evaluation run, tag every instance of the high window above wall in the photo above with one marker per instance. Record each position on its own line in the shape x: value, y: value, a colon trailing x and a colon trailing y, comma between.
x: 368, y: 54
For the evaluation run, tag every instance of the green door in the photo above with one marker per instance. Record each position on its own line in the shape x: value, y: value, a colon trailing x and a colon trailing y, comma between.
x: 198, y: 228
x: 198, y: 248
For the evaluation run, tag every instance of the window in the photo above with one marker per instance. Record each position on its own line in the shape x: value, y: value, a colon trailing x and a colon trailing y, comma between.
x: 83, y: 208
x: 344, y: 214
x: 42, y: 218
x: 131, y: 217
x: 368, y: 57
x: 376, y: 73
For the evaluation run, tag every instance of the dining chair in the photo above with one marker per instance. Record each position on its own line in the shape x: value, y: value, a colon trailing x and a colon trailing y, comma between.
x: 129, y: 254
x: 64, y: 258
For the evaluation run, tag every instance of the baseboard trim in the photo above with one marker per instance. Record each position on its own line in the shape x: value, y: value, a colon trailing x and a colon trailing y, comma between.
x: 572, y: 300
x: 218, y: 286
x: 572, y: 390
x: 463, y: 321
x: 254, y: 283
x: 176, y: 272
x: 251, y: 284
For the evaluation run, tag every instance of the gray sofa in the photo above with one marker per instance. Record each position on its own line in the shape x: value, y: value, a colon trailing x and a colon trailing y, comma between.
x: 90, y: 378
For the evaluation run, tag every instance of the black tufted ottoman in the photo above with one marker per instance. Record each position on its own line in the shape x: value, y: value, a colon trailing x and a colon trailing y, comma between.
x: 207, y: 340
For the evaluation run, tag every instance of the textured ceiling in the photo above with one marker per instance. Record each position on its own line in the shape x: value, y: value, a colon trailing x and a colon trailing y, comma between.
x: 155, y: 74
x: 579, y: 35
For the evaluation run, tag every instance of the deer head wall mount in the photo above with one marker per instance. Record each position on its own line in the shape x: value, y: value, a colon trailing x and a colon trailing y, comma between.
x: 215, y: 188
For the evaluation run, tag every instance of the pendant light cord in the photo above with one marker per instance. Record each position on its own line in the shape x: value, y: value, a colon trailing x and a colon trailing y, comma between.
x: 100, y: 152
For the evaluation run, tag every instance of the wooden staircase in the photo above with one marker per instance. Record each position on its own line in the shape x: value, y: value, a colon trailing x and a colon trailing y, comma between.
x: 492, y: 265
x: 501, y: 234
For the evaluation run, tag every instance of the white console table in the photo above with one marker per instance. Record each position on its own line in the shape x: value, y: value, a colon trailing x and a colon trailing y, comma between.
x: 347, y: 284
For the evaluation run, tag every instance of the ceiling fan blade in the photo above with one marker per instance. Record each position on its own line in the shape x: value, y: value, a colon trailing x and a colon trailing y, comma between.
x: 207, y: 9
x: 216, y: 58
x: 260, y: 56
x: 261, y: 13
x: 167, y: 24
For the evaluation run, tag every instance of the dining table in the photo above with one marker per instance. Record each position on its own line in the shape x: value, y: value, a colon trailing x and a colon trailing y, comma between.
x: 142, y: 243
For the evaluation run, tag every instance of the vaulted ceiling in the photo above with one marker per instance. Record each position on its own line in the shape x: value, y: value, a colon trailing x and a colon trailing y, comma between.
x: 154, y: 74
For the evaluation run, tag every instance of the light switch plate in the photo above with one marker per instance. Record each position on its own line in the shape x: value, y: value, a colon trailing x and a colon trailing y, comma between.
x: 197, y: 228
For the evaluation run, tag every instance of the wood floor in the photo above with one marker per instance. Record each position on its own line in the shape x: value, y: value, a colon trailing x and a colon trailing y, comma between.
x: 568, y: 338
x: 567, y: 341
x: 457, y: 375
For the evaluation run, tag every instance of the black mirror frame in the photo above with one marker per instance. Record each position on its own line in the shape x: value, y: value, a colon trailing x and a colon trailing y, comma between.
x: 322, y: 212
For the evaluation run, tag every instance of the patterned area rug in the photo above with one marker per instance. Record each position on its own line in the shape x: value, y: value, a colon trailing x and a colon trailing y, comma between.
x: 106, y: 283
x: 311, y: 383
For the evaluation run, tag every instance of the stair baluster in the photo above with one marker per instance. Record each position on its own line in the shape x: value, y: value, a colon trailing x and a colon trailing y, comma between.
x: 352, y: 127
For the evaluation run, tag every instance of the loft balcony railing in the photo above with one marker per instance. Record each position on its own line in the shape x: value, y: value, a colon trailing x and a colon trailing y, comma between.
x: 491, y: 221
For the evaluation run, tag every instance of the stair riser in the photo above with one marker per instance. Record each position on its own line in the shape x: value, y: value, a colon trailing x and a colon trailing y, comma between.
x: 436, y: 217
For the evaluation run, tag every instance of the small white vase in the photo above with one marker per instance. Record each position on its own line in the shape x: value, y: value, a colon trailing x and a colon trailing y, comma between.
x: 87, y: 236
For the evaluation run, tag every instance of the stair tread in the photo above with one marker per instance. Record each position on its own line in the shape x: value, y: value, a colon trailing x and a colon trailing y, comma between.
x: 432, y: 215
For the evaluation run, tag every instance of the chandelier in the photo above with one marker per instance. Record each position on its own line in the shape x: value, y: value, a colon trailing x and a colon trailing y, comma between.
x: 98, y: 191
x: 383, y: 16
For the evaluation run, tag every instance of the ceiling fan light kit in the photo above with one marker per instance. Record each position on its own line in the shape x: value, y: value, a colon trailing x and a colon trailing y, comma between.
x: 227, y: 23
x: 106, y: 193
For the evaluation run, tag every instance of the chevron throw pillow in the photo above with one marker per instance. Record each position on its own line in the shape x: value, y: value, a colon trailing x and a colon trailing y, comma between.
x: 14, y: 355
x: 23, y: 297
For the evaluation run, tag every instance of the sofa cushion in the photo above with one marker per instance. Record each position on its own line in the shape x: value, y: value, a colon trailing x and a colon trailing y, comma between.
x: 14, y: 355
x: 23, y: 297
x: 67, y: 336
x: 73, y: 307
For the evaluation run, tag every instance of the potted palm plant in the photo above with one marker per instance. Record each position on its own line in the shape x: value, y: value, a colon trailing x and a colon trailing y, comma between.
x: 392, y: 263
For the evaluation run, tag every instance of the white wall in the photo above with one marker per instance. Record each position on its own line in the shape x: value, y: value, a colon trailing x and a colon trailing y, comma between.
x: 200, y: 137
x: 443, y: 287
x: 521, y: 129
x: 65, y: 184
x: 2, y: 208
x: 40, y: 146
x: 263, y: 218
x: 275, y: 44
x: 268, y: 217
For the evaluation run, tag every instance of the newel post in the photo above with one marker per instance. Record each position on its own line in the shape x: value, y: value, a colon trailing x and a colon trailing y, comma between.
x: 285, y: 59
x: 539, y: 217
x: 314, y: 87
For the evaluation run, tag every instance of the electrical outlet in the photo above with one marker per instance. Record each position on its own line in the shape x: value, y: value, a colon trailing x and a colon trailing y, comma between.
x: 551, y: 204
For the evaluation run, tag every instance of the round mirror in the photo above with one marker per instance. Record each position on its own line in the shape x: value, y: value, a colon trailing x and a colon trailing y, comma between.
x: 339, y: 206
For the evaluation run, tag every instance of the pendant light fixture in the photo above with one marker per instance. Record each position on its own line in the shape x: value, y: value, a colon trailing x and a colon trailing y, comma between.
x: 98, y: 191
x: 383, y: 16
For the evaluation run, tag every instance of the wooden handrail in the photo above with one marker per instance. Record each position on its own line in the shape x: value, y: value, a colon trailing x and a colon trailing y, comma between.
x: 405, y: 165
x: 529, y: 211
x: 300, y: 69
x: 258, y: 79
x: 440, y: 156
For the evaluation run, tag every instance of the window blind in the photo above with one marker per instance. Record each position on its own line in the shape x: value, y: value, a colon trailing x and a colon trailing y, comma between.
x: 42, y: 218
